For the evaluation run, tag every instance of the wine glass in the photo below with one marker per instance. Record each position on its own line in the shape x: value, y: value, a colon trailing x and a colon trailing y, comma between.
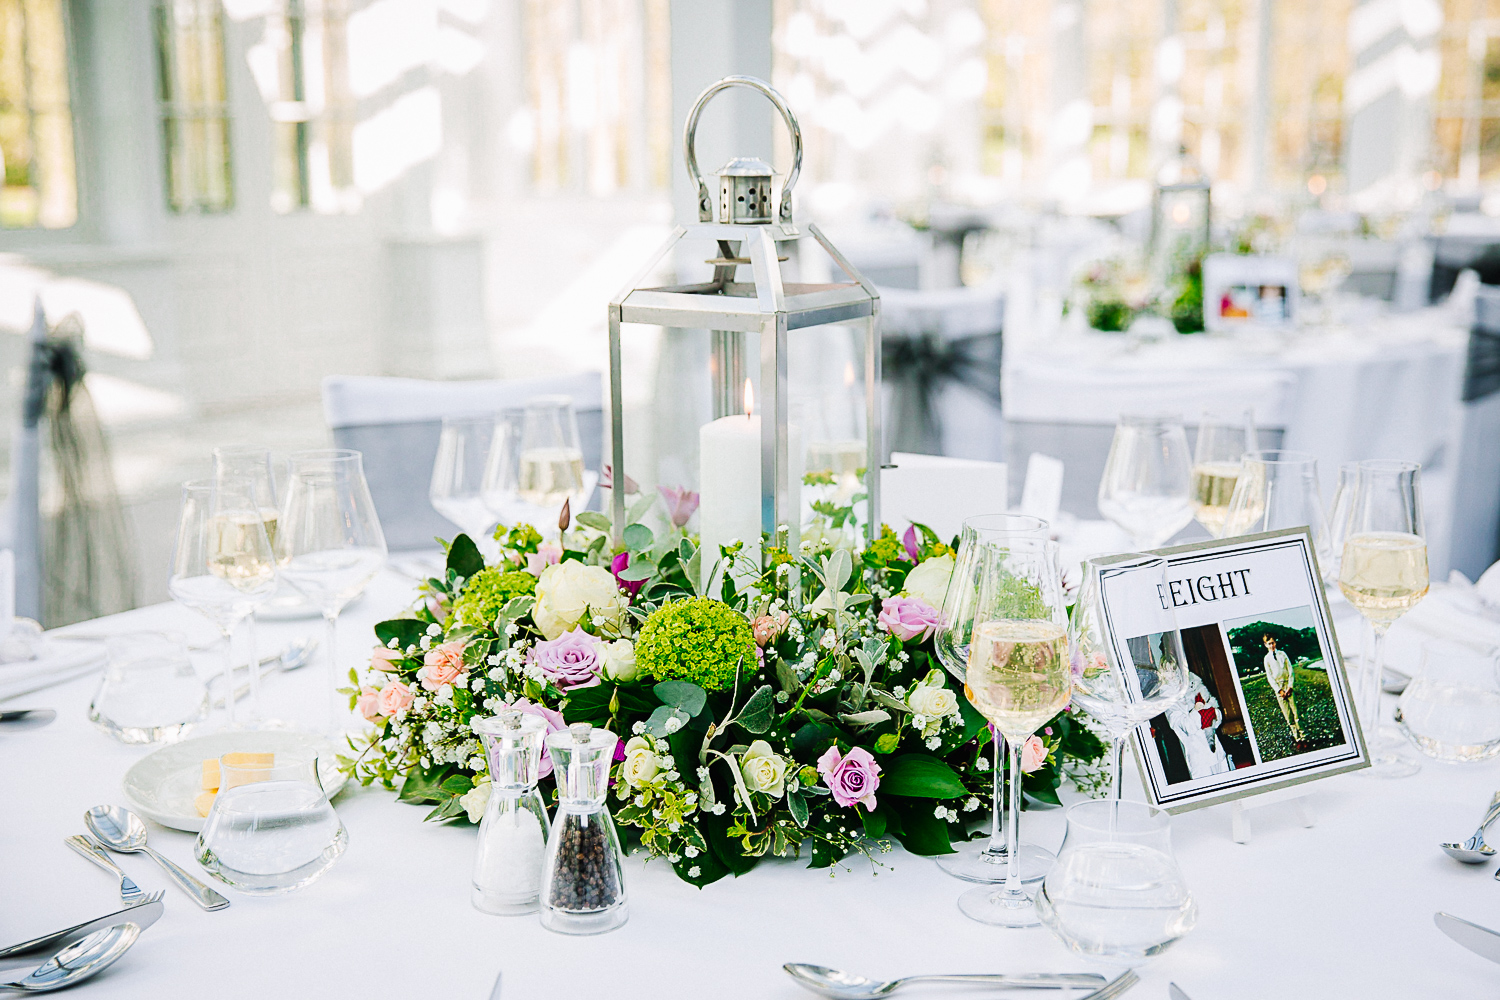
x: 983, y: 861
x: 1116, y: 893
x: 458, y: 474
x: 1122, y: 686
x: 253, y: 465
x: 1278, y: 489
x: 222, y: 563
x: 1216, y: 466
x: 1017, y: 677
x: 1146, y: 489
x: 1338, y: 521
x: 329, y: 543
x: 1383, y: 574
x: 550, y: 460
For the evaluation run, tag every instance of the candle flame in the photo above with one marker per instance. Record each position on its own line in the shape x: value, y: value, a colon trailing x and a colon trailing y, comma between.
x: 749, y: 399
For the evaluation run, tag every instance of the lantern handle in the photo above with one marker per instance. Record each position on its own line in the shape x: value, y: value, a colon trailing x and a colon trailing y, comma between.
x: 690, y: 135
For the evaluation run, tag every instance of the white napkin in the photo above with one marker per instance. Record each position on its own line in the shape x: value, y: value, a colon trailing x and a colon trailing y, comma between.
x: 57, y: 661
x: 7, y: 592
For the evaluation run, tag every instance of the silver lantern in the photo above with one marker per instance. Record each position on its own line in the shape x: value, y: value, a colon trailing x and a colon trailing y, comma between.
x: 748, y: 223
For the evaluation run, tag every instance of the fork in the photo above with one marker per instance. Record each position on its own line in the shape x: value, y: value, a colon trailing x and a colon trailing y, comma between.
x: 1115, y: 987
x: 130, y: 893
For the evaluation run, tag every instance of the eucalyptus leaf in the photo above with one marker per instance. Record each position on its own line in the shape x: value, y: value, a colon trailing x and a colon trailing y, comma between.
x: 657, y: 724
x: 639, y: 569
x: 638, y: 509
x: 755, y: 717
x: 638, y: 537
x: 592, y: 519
x: 684, y: 695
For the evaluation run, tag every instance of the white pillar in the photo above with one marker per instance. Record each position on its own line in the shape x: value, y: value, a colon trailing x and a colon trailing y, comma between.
x: 1388, y: 95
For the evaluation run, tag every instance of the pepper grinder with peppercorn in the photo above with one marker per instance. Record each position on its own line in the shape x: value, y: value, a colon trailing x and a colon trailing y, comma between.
x: 583, y: 885
x: 513, y: 834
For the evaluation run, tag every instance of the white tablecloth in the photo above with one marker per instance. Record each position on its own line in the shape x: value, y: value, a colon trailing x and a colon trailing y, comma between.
x: 1340, y: 910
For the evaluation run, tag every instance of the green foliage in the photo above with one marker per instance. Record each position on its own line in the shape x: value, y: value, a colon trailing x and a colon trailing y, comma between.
x: 487, y: 592
x: 920, y: 775
x: 464, y: 558
x: 696, y: 639
x: 1109, y: 315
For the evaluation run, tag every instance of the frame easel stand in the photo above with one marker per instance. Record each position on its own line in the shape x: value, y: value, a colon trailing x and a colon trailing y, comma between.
x: 1239, y: 819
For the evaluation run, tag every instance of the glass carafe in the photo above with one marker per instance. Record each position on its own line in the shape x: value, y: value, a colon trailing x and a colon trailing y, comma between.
x: 1116, y: 893
x: 513, y: 835
x: 1451, y: 709
x: 583, y: 887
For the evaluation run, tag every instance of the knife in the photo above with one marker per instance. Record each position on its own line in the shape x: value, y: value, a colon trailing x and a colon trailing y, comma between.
x: 143, y: 915
x: 1174, y: 992
x: 27, y: 718
x: 1480, y: 940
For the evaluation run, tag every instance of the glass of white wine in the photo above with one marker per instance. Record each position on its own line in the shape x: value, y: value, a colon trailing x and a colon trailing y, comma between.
x: 1146, y: 489
x: 252, y: 465
x: 551, y: 461
x: 1383, y: 574
x: 222, y: 563
x: 1018, y: 677
x: 983, y: 861
x: 1216, y: 466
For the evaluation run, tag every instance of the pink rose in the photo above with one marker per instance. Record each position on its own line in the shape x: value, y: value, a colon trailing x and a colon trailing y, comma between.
x: 393, y: 698
x: 368, y: 704
x: 443, y: 664
x: 908, y: 618
x: 767, y: 627
x: 384, y: 660
x: 1033, y: 754
x: 570, y: 661
x: 546, y: 554
x: 554, y: 722
x: 851, y: 779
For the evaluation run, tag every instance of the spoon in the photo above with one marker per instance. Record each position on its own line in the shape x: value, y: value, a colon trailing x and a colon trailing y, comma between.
x: 27, y: 718
x: 1474, y: 850
x: 294, y: 657
x: 847, y: 986
x: 79, y: 960
x: 123, y: 831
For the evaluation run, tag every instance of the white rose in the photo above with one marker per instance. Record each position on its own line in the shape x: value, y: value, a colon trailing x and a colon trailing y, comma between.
x: 475, y: 799
x: 641, y: 763
x: 929, y: 580
x: 763, y: 770
x: 933, y: 702
x: 568, y: 590
x: 619, y: 660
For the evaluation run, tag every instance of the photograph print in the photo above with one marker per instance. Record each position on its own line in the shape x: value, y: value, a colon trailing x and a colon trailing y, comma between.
x: 1280, y: 667
x: 1205, y: 733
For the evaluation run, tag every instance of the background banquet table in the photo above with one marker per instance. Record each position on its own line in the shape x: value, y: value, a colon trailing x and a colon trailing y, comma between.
x: 1343, y: 909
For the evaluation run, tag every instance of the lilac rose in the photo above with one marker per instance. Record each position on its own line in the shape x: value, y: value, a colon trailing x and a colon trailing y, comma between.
x: 853, y: 778
x: 908, y: 618
x: 570, y: 661
x: 554, y: 721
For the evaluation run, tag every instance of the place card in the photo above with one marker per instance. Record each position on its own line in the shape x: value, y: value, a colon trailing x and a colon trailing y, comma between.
x: 1268, y: 703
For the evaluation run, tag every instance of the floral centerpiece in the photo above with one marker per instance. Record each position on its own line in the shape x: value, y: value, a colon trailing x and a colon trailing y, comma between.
x: 750, y: 725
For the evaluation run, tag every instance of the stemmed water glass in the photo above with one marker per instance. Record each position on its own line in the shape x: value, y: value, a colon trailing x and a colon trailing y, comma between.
x: 329, y: 543
x: 252, y: 465
x: 1338, y: 523
x: 983, y: 861
x: 1146, y: 489
x: 1123, y: 686
x: 1216, y: 466
x: 222, y: 563
x: 1383, y: 574
x: 1278, y: 489
x: 1017, y: 677
x: 458, y: 474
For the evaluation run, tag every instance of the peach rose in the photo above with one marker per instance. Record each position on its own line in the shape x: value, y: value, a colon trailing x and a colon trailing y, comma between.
x: 1033, y: 754
x: 393, y: 698
x: 383, y: 659
x: 368, y: 704
x: 442, y: 665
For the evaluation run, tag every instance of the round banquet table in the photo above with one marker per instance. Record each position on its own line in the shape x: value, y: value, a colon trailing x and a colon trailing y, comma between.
x: 1343, y: 909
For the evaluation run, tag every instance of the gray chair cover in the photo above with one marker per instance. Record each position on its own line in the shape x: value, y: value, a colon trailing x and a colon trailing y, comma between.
x: 396, y: 423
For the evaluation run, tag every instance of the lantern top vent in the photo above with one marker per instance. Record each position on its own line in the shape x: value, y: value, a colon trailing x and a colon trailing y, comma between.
x: 746, y: 184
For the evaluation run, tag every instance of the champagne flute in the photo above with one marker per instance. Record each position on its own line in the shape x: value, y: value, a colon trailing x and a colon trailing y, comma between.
x: 983, y: 861
x: 1146, y: 489
x: 458, y: 474
x: 1278, y: 489
x: 1123, y: 686
x: 1216, y: 466
x: 1383, y: 574
x: 222, y: 563
x: 1017, y: 677
x: 329, y: 543
x: 253, y: 466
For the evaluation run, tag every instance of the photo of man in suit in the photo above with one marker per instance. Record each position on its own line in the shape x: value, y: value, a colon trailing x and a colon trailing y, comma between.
x: 1280, y: 677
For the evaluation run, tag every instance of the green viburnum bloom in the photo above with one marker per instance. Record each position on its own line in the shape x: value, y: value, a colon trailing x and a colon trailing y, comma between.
x: 696, y: 639
x: 486, y: 593
x: 887, y: 548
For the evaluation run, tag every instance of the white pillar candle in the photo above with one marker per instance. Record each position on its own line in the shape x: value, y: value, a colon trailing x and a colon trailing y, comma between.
x: 729, y: 486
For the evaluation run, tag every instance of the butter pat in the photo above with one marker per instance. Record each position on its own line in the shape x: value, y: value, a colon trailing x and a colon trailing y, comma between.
x: 211, y: 775
x: 203, y: 803
x: 241, y: 759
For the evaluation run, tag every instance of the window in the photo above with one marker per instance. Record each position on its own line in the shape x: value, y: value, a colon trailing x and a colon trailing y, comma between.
x: 36, y: 123
x: 194, y: 106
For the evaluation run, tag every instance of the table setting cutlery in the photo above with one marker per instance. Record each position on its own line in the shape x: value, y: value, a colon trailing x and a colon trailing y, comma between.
x: 79, y: 960
x: 1175, y: 992
x: 295, y: 656
x: 124, y: 832
x: 849, y: 986
x: 17, y: 719
x: 1480, y: 940
x: 1474, y: 850
x: 142, y: 914
x: 94, y: 851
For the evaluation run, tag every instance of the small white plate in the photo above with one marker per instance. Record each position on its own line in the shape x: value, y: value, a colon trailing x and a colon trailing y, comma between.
x: 163, y: 785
